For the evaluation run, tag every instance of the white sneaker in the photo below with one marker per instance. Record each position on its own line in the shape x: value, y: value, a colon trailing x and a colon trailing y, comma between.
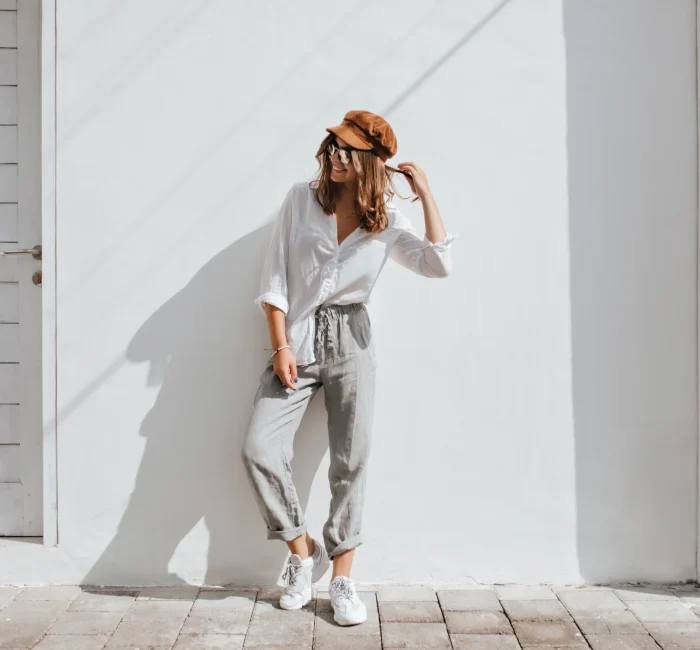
x: 297, y: 576
x: 300, y: 574
x: 348, y: 609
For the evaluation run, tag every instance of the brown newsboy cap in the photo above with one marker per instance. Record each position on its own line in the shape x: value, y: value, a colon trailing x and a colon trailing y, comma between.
x: 367, y: 131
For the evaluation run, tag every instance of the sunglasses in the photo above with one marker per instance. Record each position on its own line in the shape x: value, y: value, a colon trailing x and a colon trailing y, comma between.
x: 343, y: 153
x: 344, y: 156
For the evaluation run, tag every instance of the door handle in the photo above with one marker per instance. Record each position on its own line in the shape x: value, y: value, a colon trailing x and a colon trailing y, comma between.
x: 34, y: 252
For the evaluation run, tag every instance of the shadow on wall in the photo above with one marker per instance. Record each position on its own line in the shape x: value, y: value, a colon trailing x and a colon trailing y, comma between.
x: 631, y: 164
x: 196, y: 346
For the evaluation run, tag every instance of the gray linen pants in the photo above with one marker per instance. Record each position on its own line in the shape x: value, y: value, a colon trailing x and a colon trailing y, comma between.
x: 345, y: 366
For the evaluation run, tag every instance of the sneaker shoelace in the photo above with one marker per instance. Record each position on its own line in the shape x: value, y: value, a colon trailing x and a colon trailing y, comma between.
x: 291, y: 573
x: 344, y: 589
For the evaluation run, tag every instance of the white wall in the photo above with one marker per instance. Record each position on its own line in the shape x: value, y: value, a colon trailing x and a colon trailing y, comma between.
x: 536, y: 414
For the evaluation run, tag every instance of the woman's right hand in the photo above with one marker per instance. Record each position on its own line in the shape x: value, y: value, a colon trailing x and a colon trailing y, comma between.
x: 284, y: 364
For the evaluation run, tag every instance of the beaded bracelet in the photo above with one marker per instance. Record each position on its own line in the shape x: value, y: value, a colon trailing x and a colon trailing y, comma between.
x: 278, y: 349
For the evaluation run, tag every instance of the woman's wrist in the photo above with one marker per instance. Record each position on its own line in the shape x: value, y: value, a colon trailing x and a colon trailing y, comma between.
x: 425, y: 194
x: 282, y: 347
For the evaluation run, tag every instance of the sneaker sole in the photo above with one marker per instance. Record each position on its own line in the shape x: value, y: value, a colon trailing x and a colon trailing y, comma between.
x: 300, y: 605
x: 347, y: 623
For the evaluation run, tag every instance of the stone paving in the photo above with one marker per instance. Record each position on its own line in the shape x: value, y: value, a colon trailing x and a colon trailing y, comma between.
x: 479, y: 617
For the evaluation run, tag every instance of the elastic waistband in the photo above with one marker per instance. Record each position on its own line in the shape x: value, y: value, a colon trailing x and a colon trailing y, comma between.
x: 341, y: 309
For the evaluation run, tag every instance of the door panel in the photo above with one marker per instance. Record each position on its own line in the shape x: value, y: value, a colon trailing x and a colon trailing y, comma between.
x: 10, y: 463
x: 9, y: 384
x: 8, y: 135
x: 9, y: 342
x: 8, y: 182
x: 9, y: 424
x: 8, y: 221
x: 20, y: 297
x: 8, y: 29
x: 9, y: 271
x: 8, y: 105
x: 11, y: 513
x: 9, y: 302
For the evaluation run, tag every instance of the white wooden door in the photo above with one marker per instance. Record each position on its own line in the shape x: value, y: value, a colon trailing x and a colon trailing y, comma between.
x: 20, y: 297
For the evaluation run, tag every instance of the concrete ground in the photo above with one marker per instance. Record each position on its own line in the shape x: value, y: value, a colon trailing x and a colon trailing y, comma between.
x: 480, y: 617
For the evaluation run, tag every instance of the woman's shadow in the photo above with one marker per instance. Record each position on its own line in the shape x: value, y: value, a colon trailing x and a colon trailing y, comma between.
x: 205, y: 351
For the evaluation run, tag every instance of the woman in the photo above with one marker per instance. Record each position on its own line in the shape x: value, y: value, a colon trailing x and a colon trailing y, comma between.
x: 330, y: 241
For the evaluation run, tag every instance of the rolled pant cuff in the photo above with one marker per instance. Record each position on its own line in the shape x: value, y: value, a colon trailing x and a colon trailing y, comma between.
x: 346, y: 545
x: 286, y: 535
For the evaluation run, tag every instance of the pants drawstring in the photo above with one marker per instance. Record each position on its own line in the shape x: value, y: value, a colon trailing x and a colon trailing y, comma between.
x: 321, y: 320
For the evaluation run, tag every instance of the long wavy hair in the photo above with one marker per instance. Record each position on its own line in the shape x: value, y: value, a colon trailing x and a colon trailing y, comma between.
x: 374, y: 186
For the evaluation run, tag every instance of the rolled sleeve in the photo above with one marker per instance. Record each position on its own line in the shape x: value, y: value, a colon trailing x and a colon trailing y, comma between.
x: 419, y: 254
x: 274, y: 299
x: 273, y: 279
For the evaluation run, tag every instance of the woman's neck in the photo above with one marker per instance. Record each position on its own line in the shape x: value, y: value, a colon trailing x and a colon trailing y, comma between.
x: 346, y: 192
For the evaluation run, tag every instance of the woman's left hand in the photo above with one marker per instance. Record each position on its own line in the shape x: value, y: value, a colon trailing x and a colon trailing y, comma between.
x: 417, y: 179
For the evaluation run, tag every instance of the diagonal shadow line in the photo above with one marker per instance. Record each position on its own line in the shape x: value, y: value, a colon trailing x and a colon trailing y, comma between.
x: 76, y: 401
x: 100, y: 258
x: 81, y: 396
x: 113, y: 367
x: 133, y: 63
x: 97, y: 24
x: 213, y: 210
x: 445, y: 57
x: 130, y: 229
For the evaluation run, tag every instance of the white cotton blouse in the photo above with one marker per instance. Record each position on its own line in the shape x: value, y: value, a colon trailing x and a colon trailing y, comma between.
x: 306, y: 267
